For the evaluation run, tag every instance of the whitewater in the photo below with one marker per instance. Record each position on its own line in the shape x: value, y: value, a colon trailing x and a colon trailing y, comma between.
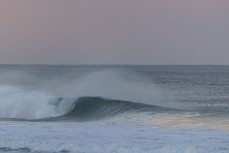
x: 94, y: 109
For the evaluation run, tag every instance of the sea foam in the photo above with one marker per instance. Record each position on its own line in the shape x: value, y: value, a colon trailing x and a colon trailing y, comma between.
x: 22, y: 104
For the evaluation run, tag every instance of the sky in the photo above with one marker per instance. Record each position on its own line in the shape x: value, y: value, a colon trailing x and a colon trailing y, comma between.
x: 148, y: 32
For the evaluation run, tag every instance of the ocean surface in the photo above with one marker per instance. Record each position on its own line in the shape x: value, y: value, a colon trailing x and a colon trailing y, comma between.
x: 114, y: 109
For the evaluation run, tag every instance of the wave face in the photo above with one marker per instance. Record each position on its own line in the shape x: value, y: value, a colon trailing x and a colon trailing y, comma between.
x: 98, y: 107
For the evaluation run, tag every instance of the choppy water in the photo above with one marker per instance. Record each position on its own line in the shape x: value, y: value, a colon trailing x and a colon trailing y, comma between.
x: 114, y: 109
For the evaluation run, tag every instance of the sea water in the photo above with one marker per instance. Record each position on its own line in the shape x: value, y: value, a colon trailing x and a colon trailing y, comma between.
x: 94, y: 109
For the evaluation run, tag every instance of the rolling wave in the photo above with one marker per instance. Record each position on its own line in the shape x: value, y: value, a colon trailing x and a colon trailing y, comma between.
x: 90, y: 108
x: 18, y: 104
x: 84, y: 97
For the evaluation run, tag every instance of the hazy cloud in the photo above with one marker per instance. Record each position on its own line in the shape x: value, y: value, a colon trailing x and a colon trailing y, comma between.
x: 114, y: 32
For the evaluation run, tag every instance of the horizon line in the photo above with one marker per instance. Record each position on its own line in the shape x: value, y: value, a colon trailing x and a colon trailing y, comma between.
x: 114, y: 64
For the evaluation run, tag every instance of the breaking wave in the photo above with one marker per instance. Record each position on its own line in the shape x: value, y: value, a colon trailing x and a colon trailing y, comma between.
x: 19, y: 104
x: 95, y: 95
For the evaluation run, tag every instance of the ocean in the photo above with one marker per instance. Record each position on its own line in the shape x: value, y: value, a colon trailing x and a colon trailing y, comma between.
x: 114, y: 109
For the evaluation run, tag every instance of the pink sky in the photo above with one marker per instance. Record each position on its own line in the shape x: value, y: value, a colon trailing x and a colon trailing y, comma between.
x: 114, y: 32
